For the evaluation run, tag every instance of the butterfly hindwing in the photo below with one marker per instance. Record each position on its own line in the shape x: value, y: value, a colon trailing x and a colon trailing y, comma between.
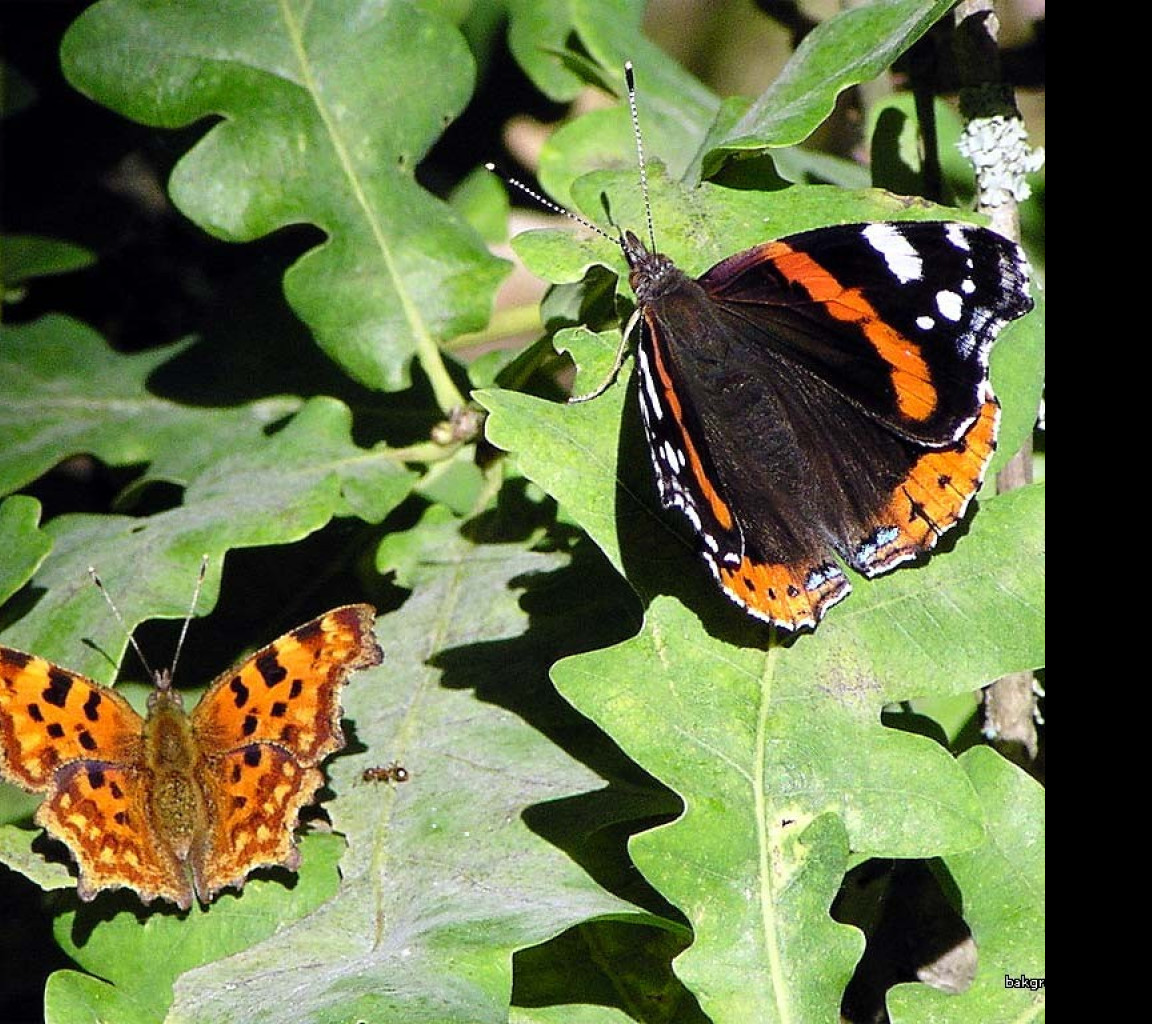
x: 101, y: 812
x: 255, y: 795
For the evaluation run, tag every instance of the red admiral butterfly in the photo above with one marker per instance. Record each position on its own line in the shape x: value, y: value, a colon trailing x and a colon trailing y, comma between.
x: 825, y: 394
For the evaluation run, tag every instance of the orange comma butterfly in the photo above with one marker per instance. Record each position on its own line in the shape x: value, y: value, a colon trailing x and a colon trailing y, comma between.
x: 177, y: 805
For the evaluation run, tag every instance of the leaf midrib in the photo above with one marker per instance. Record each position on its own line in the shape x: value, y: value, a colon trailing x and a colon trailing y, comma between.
x: 427, y: 351
x: 760, y: 797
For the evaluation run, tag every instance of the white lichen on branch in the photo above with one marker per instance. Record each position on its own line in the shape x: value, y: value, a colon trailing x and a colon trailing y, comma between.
x: 998, y: 150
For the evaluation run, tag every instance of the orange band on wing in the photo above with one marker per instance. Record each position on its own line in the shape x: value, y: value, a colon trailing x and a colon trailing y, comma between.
x: 719, y: 509
x: 780, y: 594
x: 936, y: 492
x: 911, y: 377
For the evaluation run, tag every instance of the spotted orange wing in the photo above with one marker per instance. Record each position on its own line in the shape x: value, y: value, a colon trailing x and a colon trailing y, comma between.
x: 50, y: 717
x: 81, y: 744
x: 256, y: 794
x: 102, y: 813
x: 262, y: 729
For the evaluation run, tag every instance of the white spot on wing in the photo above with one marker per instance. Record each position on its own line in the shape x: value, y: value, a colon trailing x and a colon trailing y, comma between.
x: 957, y: 234
x: 950, y: 304
x: 899, y: 254
x: 649, y: 384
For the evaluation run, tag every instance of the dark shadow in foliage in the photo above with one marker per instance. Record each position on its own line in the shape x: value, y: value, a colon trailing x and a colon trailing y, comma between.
x: 611, y: 964
x: 21, y: 603
x: 98, y: 182
x: 253, y: 347
x: 539, y: 368
x: 750, y: 173
x: 588, y: 303
x: 503, y: 91
x: 910, y: 912
x: 80, y: 484
x: 517, y: 517
x: 107, y: 904
x: 579, y: 608
x: 908, y: 720
x: 27, y: 950
x: 890, y: 167
x: 582, y: 607
x: 264, y: 595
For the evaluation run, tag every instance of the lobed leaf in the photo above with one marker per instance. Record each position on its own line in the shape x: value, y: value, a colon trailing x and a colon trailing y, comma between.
x: 323, y: 112
x: 68, y: 393
x: 1003, y: 886
x: 281, y: 489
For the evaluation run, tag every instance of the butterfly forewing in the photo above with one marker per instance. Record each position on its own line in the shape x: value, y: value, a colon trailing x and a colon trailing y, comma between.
x: 50, y: 717
x: 897, y: 318
x: 289, y: 692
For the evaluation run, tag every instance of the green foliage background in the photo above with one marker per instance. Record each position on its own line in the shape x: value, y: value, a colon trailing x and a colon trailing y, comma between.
x: 626, y: 800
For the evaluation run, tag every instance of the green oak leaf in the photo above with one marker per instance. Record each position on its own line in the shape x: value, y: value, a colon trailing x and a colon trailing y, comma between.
x: 1002, y: 882
x: 323, y: 113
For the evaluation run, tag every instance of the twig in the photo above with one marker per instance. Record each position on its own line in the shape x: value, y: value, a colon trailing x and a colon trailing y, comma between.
x: 996, y: 143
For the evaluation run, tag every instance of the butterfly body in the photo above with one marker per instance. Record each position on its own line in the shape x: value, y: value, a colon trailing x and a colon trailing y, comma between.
x: 823, y: 399
x: 175, y: 803
x: 179, y: 805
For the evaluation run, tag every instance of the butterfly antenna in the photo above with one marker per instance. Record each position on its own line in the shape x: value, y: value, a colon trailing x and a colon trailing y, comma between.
x: 630, y: 81
x: 188, y: 617
x: 123, y: 625
x: 548, y: 204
